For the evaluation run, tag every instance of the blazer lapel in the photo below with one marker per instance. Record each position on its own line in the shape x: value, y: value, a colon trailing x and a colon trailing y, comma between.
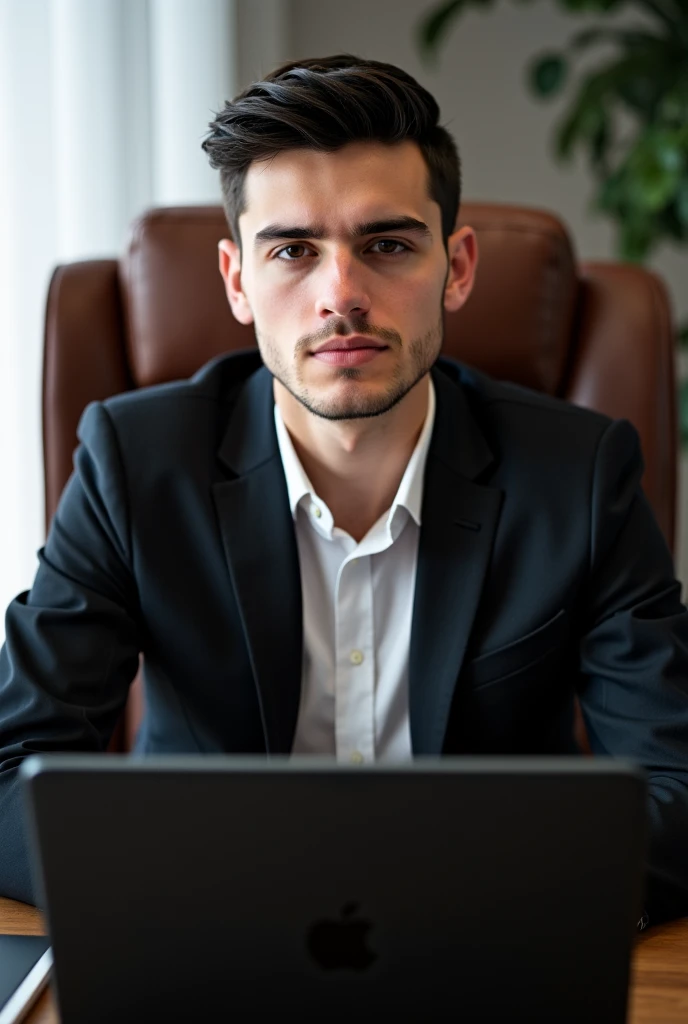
x: 458, y: 524
x: 260, y: 547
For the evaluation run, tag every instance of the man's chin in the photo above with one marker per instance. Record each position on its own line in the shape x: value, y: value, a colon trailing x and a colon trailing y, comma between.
x: 351, y: 407
x: 343, y: 414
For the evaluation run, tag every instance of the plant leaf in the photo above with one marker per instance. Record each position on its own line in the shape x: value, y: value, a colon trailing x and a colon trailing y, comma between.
x: 611, y: 196
x: 610, y: 84
x: 435, y: 23
x: 635, y: 237
x: 547, y: 74
x: 583, y: 124
x: 600, y: 142
x: 655, y: 169
x: 682, y: 202
x: 670, y: 224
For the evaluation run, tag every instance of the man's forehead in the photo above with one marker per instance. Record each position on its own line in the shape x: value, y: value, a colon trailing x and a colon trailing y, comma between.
x: 371, y: 181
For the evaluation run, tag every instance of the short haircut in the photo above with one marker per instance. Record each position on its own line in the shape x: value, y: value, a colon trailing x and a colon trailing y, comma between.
x: 323, y: 104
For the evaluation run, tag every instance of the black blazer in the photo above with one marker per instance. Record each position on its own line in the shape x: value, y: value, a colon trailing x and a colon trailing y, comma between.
x: 541, y: 574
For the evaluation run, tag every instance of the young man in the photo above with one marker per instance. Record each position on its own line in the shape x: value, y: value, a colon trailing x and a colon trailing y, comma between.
x: 342, y: 544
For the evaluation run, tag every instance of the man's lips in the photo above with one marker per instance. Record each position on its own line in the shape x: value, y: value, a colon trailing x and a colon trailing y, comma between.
x: 352, y: 341
x: 350, y: 351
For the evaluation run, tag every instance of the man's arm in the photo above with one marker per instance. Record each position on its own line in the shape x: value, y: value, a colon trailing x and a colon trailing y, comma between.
x: 72, y: 641
x: 634, y: 660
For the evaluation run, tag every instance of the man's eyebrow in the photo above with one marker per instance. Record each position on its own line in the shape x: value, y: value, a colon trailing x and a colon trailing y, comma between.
x: 369, y: 227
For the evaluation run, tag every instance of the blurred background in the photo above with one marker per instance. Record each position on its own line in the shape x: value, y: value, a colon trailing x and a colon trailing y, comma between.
x: 104, y: 103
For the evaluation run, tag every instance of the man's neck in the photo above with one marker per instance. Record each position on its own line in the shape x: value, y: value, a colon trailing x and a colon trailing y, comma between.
x: 356, y: 466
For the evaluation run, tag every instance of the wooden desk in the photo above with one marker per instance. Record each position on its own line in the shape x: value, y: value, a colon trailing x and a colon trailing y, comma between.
x: 659, y: 988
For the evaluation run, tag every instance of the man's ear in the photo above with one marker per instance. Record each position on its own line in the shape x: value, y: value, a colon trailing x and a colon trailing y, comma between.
x: 462, y: 248
x: 230, y: 268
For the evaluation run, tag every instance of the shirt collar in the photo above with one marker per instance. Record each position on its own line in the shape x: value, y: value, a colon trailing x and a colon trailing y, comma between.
x: 410, y: 491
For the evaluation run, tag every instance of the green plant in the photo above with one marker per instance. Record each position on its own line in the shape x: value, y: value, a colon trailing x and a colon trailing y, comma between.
x: 629, y: 115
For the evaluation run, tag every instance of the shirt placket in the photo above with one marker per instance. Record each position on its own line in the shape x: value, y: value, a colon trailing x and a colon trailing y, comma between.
x: 354, y: 662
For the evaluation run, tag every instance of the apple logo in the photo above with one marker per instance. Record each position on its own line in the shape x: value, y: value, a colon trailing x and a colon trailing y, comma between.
x: 337, y: 944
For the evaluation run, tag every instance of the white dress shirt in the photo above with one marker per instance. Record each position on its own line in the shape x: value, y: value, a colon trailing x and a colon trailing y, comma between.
x: 357, y: 608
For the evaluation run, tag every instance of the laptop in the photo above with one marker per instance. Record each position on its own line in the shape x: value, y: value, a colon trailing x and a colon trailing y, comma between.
x: 245, y: 889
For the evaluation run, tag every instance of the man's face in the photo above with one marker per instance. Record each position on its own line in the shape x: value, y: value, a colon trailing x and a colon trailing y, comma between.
x: 344, y: 274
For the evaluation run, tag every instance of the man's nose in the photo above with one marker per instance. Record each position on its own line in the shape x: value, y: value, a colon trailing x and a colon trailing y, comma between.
x: 342, y: 287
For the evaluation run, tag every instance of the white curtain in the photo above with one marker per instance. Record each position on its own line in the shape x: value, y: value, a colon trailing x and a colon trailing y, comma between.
x: 103, y: 105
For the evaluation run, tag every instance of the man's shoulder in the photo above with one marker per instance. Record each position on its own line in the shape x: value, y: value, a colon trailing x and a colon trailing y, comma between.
x: 505, y: 410
x: 179, y: 410
x: 216, y: 384
x: 166, y: 427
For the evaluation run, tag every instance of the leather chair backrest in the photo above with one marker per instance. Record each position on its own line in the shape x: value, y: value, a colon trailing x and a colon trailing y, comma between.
x: 599, y: 335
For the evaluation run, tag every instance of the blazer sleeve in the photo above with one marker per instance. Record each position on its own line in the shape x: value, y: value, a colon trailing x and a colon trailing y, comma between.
x: 72, y: 641
x: 634, y: 659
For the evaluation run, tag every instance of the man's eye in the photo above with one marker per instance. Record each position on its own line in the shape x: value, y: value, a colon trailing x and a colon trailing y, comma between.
x: 389, y: 246
x: 291, y: 254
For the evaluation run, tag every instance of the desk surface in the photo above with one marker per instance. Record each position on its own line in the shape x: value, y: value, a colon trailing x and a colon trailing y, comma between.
x: 659, y: 988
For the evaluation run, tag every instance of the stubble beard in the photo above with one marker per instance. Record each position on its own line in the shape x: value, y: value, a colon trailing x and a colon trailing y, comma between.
x: 355, y: 404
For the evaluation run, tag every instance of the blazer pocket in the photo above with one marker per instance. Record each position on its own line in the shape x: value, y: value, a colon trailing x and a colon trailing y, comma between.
x: 521, y: 654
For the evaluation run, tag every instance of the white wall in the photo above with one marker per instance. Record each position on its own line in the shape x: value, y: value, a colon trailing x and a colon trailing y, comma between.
x: 504, y: 134
x: 264, y: 37
x: 103, y: 105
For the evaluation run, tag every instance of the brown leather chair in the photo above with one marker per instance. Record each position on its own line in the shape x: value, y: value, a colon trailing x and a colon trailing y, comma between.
x: 597, y: 334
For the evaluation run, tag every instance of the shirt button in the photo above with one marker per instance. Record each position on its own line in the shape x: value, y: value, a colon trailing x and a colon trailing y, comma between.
x: 356, y: 657
x: 356, y: 757
x: 317, y: 512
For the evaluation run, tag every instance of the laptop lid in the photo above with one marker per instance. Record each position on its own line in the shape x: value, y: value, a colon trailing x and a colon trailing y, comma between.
x: 480, y: 889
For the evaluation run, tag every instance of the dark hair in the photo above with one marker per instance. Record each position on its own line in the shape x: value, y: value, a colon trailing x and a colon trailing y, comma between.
x: 325, y: 103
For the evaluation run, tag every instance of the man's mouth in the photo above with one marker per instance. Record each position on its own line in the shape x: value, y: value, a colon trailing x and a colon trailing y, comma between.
x: 350, y: 351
